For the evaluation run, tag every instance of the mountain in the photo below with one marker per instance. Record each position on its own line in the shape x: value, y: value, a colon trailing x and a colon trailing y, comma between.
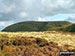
x: 36, y: 26
x: 70, y: 19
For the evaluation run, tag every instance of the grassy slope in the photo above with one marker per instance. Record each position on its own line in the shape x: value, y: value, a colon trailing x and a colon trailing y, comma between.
x: 69, y: 28
x: 35, y: 26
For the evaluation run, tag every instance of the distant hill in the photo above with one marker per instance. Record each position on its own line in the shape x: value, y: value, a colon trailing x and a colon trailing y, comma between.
x: 36, y: 26
x: 69, y: 28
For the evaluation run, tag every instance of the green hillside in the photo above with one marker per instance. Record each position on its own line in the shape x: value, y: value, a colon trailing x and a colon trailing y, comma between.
x: 35, y: 26
x: 69, y: 28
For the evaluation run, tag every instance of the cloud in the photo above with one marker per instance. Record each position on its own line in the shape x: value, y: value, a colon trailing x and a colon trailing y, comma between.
x: 65, y: 3
x: 4, y: 8
x: 23, y: 15
x: 6, y: 23
x: 15, y: 10
x: 41, y: 19
x: 72, y: 17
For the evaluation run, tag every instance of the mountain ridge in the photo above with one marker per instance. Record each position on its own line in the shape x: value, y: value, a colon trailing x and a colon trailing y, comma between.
x: 36, y: 26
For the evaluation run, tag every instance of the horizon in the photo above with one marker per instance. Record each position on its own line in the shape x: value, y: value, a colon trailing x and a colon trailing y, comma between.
x: 15, y: 11
x: 32, y: 21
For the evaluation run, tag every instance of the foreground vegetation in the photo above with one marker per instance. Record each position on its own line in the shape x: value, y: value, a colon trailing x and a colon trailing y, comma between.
x: 48, y: 43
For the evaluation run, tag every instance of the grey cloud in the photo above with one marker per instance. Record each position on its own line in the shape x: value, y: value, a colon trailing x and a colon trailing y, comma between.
x: 11, y: 9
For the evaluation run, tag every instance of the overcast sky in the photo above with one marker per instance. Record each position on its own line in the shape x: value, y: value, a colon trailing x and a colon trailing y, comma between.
x: 12, y: 11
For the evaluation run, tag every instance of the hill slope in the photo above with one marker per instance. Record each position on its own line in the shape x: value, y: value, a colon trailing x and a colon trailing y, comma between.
x: 35, y: 26
x: 69, y: 28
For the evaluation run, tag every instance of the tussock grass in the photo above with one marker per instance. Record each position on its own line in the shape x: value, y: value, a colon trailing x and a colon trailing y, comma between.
x: 61, y: 38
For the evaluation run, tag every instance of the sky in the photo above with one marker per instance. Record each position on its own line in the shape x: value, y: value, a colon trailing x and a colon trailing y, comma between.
x: 13, y: 11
